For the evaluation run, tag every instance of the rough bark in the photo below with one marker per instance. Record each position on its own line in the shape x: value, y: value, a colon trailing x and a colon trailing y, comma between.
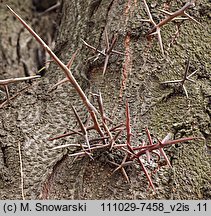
x: 40, y: 113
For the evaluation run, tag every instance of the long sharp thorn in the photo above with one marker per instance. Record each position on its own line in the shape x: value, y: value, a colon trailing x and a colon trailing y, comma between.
x: 91, y: 47
x: 160, y: 41
x: 105, y: 64
x: 171, y: 142
x: 191, y: 74
x: 112, y: 44
x: 147, y: 153
x: 149, y: 13
x: 59, y: 83
x: 191, y: 18
x: 117, y: 135
x: 13, y: 80
x: 162, y: 152
x: 121, y: 166
x: 67, y: 145
x: 172, y: 81
x: 149, y: 136
x: 109, y: 134
x: 101, y: 108
x: 62, y: 135
x: 117, y: 52
x: 186, y: 71
x: 118, y: 127
x: 125, y: 175
x: 69, y: 64
x: 67, y: 72
x: 147, y: 174
x: 96, y: 124
x: 150, y: 143
x: 79, y: 120
x: 106, y: 39
x: 7, y: 93
x: 82, y: 127
x: 185, y: 90
x: 165, y: 157
x: 166, y: 12
x: 87, y: 141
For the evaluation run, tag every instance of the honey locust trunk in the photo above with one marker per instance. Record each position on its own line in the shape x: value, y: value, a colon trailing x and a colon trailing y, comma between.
x: 40, y: 113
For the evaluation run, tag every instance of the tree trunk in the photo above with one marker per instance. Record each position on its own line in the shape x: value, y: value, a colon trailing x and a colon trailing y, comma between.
x: 42, y: 112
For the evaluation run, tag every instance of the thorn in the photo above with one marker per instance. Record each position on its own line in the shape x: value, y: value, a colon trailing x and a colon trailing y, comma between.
x: 67, y: 72
x: 107, y: 51
x: 69, y: 64
x: 121, y: 167
x: 185, y: 78
x: 171, y: 16
x: 81, y: 125
x: 146, y: 173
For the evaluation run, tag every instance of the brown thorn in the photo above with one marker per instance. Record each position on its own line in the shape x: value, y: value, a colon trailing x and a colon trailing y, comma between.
x: 160, y: 41
x: 61, y: 136
x: 149, y: 13
x: 68, y: 145
x: 112, y: 142
x: 69, y: 64
x: 105, y: 63
x: 67, y: 72
x: 55, y: 6
x: 162, y: 151
x: 112, y: 44
x: 93, y: 48
x: 143, y: 149
x: 83, y: 129
x: 107, y: 51
x: 99, y: 139
x: 7, y: 93
x: 96, y: 124
x: 59, y: 83
x: 118, y: 127
x: 101, y: 108
x: 185, y: 78
x: 171, y: 16
x: 117, y: 135
x: 106, y: 40
x: 191, y: 18
x: 121, y: 166
x: 81, y: 125
x: 146, y: 173
x: 91, y: 149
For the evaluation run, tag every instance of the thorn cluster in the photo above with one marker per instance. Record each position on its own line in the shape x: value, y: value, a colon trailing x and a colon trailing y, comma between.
x: 107, y: 51
x: 156, y: 29
x: 108, y: 141
x: 185, y: 78
x: 108, y: 133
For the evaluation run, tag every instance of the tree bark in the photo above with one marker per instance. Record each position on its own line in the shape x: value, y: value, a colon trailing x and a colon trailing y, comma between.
x: 41, y: 112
